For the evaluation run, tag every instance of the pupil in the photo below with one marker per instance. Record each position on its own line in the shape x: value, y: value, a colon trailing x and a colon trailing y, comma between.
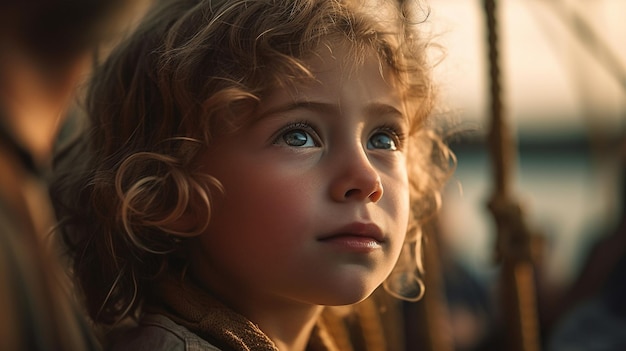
x: 296, y: 138
x: 382, y: 141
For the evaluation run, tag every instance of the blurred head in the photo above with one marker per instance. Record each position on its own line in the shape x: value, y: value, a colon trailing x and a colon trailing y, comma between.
x: 45, y: 51
x: 54, y: 33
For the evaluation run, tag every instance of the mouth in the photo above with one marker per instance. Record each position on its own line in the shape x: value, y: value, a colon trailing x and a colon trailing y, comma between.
x: 357, y: 234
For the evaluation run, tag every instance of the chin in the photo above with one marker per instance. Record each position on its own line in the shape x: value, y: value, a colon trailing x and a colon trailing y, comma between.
x: 346, y: 295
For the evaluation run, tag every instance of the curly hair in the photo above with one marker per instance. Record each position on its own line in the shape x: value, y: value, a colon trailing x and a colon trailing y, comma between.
x: 184, y: 76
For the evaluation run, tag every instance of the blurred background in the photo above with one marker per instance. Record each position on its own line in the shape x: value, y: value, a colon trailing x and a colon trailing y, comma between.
x: 563, y: 77
x: 567, y: 110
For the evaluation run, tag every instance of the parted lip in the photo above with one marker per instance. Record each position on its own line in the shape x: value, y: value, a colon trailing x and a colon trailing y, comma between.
x: 358, y: 229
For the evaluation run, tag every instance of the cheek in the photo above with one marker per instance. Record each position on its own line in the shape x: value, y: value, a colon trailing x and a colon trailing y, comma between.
x: 258, y: 224
x: 397, y: 191
x: 402, y: 212
x: 267, y: 205
x: 397, y: 195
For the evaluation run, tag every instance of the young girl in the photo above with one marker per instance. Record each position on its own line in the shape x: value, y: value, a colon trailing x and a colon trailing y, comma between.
x: 249, y: 162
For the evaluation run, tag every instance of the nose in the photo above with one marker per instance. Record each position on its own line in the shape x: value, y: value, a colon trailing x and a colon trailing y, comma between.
x: 356, y: 179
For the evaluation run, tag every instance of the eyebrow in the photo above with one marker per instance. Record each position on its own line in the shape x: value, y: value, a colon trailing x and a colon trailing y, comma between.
x: 372, y: 109
x: 315, y: 106
x: 379, y: 108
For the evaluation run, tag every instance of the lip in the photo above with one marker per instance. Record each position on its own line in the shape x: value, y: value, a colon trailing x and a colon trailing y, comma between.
x: 356, y: 233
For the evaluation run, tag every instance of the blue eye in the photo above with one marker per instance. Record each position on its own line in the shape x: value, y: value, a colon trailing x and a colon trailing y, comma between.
x: 382, y: 141
x: 298, y: 138
x: 297, y: 135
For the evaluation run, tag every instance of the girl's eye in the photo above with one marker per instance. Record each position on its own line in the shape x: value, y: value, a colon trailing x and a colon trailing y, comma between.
x: 387, y: 140
x: 296, y: 136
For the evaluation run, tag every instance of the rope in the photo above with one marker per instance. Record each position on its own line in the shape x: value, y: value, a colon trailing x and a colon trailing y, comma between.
x: 513, y: 242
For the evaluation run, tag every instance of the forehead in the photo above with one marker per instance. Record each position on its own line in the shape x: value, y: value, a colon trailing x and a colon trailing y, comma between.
x: 346, y: 58
x: 336, y: 65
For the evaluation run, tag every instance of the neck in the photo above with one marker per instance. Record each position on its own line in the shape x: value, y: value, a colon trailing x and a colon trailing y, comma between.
x: 287, y: 323
x: 290, y: 328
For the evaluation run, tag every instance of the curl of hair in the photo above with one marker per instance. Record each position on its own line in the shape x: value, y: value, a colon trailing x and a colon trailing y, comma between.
x: 194, y: 69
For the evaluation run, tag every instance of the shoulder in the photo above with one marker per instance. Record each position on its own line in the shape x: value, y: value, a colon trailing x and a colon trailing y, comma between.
x: 159, y: 333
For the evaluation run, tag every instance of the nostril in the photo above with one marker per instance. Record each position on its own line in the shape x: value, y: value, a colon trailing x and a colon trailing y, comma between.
x: 376, y: 195
x: 352, y: 192
x: 358, y: 180
x: 359, y: 194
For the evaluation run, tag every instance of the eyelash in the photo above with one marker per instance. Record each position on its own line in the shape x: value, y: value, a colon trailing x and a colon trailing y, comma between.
x: 395, y: 131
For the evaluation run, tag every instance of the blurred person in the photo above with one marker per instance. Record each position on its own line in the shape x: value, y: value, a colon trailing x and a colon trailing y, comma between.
x: 45, y: 49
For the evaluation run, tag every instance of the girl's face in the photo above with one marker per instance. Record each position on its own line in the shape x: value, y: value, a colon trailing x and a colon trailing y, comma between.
x: 316, y: 198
